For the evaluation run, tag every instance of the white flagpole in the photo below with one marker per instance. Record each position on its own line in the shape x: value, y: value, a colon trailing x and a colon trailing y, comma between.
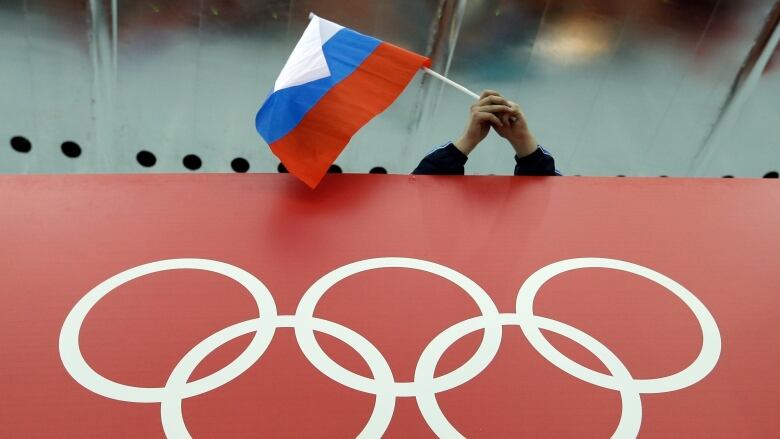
x: 450, y: 82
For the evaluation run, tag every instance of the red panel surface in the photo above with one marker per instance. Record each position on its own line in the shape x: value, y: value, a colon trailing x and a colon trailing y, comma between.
x: 63, y: 236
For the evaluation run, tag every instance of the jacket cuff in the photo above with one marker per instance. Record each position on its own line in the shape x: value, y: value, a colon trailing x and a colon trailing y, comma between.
x: 451, y: 151
x: 530, y: 159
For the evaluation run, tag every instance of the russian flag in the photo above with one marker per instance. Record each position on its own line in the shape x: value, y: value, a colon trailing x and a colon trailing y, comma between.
x: 334, y: 83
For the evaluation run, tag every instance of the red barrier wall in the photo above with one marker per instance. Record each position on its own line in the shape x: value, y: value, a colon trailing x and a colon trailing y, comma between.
x: 658, y: 298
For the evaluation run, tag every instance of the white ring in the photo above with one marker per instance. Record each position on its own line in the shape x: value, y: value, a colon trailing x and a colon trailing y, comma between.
x: 491, y: 340
x: 80, y: 370
x: 631, y: 415
x: 170, y: 409
x: 703, y: 365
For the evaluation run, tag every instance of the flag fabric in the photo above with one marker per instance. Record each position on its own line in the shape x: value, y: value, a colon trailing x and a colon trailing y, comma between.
x: 335, y: 81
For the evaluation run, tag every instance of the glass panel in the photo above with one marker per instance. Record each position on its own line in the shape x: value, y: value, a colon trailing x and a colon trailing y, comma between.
x: 610, y: 86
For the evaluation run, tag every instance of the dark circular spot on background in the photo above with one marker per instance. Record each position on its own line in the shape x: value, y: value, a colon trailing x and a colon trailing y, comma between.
x: 771, y: 174
x: 378, y: 170
x: 728, y: 176
x: 71, y: 149
x: 334, y: 169
x: 239, y: 165
x: 146, y: 159
x: 621, y: 175
x: 21, y: 144
x: 281, y: 168
x: 664, y: 176
x: 192, y: 162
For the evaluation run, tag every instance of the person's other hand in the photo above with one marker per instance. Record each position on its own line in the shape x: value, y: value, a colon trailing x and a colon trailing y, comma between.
x: 514, y: 128
x: 485, y: 113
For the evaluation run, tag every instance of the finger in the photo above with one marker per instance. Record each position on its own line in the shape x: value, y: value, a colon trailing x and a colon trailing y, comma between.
x: 507, y: 119
x: 495, y: 100
x: 487, y: 93
x: 489, y: 117
x: 493, y: 109
x: 516, y: 110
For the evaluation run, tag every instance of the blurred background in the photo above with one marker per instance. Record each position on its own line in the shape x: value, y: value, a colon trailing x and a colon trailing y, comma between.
x: 611, y: 87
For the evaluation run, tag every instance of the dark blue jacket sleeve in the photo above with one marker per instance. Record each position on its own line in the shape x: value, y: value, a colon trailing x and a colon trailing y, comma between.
x: 448, y: 160
x: 539, y: 163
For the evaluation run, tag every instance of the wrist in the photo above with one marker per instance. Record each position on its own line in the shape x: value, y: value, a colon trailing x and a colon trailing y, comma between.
x: 465, y: 145
x: 524, y: 145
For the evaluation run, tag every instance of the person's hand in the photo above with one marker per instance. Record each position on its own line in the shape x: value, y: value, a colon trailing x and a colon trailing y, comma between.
x: 505, y: 117
x: 514, y: 128
x: 485, y: 113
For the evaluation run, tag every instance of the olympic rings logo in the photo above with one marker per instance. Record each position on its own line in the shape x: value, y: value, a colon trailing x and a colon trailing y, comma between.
x: 425, y: 385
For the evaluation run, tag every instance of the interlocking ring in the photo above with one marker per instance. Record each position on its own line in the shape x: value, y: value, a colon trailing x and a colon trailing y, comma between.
x: 382, y: 384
